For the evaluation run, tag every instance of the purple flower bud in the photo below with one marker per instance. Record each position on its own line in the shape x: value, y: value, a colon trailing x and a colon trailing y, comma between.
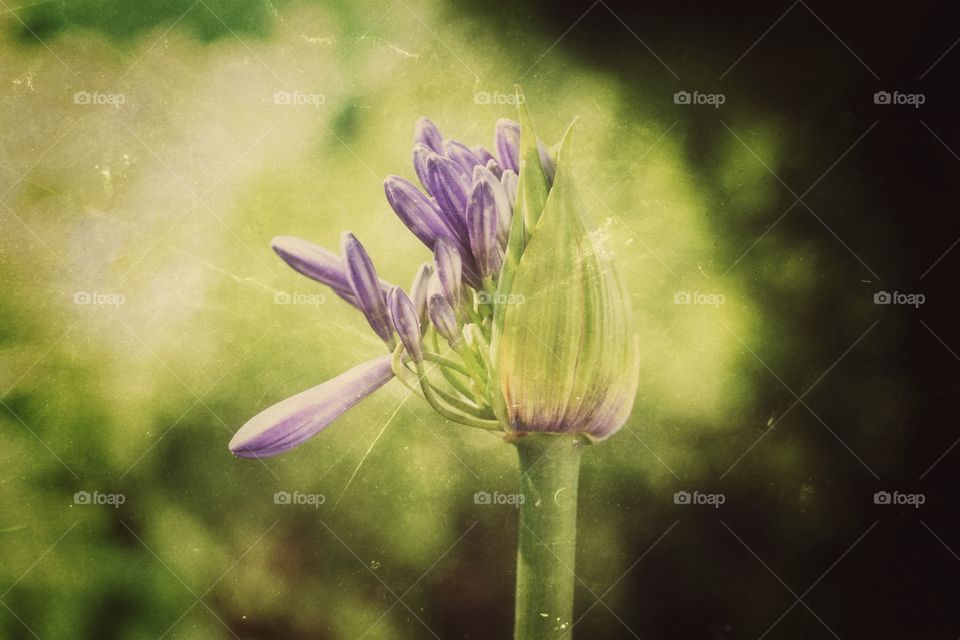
x: 315, y: 262
x: 546, y: 160
x: 443, y: 318
x: 417, y: 212
x: 418, y: 292
x: 289, y: 423
x: 427, y: 133
x: 504, y: 209
x: 366, y: 287
x: 482, y: 225
x: 460, y: 154
x: 449, y: 184
x: 406, y: 322
x: 507, y: 140
x: 449, y: 268
x: 420, y: 154
x: 482, y: 154
x: 509, y: 182
x: 494, y: 167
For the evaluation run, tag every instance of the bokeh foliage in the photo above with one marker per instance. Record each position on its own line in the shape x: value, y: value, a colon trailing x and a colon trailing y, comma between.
x: 171, y: 199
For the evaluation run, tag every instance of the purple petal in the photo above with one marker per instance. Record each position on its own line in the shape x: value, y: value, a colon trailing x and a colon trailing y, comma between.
x: 546, y: 160
x: 502, y: 201
x: 461, y: 154
x: 482, y: 154
x: 482, y: 224
x: 427, y: 133
x: 507, y: 140
x: 289, y: 423
x: 443, y: 318
x: 406, y: 322
x: 315, y: 262
x: 509, y: 182
x: 449, y: 184
x: 494, y: 167
x: 420, y: 154
x: 449, y: 268
x: 366, y: 287
x: 418, y: 291
x: 417, y: 212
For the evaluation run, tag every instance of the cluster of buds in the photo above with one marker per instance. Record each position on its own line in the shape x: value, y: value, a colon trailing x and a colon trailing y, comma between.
x: 519, y: 324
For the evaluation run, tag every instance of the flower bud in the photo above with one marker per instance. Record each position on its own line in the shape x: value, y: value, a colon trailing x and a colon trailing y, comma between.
x: 426, y: 133
x: 448, y: 266
x: 482, y: 221
x: 507, y: 139
x: 443, y: 318
x: 418, y: 292
x: 567, y: 359
x: 405, y: 321
x: 366, y: 287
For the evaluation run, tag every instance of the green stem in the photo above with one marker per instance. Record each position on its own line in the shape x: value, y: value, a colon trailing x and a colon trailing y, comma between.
x: 549, y: 468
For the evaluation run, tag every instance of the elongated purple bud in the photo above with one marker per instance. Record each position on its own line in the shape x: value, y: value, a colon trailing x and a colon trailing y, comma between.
x: 289, y: 423
x: 461, y: 154
x: 482, y: 154
x: 449, y: 184
x: 443, y: 318
x: 507, y: 139
x: 509, y: 182
x: 494, y: 167
x: 449, y: 268
x: 425, y: 132
x: 406, y: 322
x: 418, y: 292
x: 315, y: 262
x: 366, y: 287
x: 504, y: 209
x: 417, y: 212
x: 482, y: 225
x: 546, y: 160
x: 420, y: 154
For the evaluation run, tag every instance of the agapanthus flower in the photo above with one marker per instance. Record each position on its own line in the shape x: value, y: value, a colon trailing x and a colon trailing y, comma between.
x: 519, y: 324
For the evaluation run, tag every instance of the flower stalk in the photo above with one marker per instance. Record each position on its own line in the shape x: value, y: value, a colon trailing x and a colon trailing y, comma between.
x: 546, y: 551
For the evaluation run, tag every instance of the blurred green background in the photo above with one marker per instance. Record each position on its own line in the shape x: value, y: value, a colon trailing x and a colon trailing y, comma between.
x: 142, y: 323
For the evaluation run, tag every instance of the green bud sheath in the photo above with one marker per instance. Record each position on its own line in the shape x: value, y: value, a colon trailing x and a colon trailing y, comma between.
x: 567, y: 356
